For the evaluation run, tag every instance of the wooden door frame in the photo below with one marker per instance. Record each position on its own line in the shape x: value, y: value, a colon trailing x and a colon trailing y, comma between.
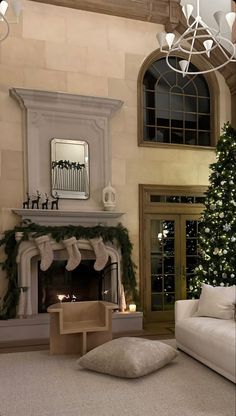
x: 147, y: 207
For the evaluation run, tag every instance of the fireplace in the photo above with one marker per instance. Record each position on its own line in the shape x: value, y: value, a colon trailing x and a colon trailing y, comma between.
x: 35, y: 328
x: 40, y: 289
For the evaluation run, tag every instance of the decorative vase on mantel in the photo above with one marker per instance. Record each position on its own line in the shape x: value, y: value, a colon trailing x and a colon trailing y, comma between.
x: 109, y: 198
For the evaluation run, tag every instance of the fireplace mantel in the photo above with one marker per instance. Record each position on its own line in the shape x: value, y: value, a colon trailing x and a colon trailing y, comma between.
x: 66, y: 217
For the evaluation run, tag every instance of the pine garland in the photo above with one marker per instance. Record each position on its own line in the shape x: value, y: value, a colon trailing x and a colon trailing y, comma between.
x: 116, y: 234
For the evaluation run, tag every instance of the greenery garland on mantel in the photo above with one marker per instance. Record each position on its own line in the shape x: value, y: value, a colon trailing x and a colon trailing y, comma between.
x: 116, y: 234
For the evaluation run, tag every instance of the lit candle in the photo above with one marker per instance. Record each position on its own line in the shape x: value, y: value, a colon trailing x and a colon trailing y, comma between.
x: 132, y: 307
x: 61, y: 297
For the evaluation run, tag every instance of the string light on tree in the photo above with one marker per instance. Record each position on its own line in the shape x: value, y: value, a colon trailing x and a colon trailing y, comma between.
x: 217, y: 235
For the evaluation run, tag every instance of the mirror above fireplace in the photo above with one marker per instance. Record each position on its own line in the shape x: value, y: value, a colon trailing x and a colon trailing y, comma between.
x: 70, y: 168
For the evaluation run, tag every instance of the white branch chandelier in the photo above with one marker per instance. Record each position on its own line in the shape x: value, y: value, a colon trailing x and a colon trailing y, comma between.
x: 199, y: 39
x: 4, y: 21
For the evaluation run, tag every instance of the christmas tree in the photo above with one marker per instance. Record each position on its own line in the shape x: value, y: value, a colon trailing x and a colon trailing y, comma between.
x: 217, y: 228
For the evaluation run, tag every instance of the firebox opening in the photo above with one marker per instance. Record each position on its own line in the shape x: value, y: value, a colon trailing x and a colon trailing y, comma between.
x: 81, y: 284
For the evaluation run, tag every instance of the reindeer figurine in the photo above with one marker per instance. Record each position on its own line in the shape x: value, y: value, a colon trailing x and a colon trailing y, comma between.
x: 45, y: 203
x: 36, y: 201
x: 55, y: 202
x: 27, y: 202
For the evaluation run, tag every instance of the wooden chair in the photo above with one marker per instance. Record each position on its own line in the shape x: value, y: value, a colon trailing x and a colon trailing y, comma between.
x: 77, y: 327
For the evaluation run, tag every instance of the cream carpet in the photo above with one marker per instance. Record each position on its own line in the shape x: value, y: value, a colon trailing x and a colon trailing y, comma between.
x: 37, y: 384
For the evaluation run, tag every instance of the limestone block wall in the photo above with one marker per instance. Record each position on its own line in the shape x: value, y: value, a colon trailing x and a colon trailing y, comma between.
x: 59, y: 49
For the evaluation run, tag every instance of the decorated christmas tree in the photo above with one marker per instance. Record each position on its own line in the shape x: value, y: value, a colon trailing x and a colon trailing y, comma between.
x: 217, y: 228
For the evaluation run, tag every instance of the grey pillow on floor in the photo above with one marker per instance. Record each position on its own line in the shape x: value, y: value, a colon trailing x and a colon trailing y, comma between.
x: 128, y: 357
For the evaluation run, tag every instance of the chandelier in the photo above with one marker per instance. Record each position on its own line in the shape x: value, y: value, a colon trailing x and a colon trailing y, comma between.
x: 199, y: 39
x: 15, y: 8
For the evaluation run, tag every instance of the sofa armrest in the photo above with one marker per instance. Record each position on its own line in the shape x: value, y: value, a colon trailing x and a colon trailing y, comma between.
x: 185, y: 308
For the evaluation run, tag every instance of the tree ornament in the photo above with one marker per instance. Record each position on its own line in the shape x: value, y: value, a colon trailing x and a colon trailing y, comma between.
x: 207, y: 230
x: 221, y: 215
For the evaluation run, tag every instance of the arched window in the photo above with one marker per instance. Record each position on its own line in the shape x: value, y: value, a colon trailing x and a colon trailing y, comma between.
x: 175, y: 110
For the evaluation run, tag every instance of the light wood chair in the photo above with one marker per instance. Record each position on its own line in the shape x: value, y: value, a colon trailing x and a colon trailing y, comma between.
x: 77, y: 327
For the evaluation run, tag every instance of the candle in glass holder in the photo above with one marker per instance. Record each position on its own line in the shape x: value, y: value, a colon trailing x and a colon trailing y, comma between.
x: 132, y: 307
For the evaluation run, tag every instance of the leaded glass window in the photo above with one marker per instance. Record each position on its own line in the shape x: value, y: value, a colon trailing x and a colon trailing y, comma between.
x: 176, y: 109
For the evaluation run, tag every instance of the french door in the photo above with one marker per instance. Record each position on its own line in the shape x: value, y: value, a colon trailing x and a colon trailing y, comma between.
x: 170, y: 257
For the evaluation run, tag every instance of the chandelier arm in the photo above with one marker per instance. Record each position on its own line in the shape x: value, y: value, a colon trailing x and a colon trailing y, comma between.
x: 209, y: 30
x: 192, y: 42
x: 189, y: 29
x: 198, y: 9
x: 214, y: 37
x: 2, y: 17
x: 197, y: 72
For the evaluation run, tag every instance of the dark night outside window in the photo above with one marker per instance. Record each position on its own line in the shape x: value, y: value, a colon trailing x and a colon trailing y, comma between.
x: 176, y: 109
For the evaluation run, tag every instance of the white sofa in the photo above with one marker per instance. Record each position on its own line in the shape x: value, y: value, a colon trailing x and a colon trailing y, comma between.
x: 210, y: 340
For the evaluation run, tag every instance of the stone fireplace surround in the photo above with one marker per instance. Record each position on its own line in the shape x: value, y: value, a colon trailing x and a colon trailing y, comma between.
x: 28, y: 258
x: 31, y: 326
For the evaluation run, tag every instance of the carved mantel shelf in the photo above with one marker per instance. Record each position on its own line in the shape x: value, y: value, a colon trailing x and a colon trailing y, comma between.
x: 61, y: 217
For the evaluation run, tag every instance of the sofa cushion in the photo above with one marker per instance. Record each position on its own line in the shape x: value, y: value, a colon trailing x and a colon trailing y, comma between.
x: 210, y: 340
x: 128, y: 357
x: 217, y: 302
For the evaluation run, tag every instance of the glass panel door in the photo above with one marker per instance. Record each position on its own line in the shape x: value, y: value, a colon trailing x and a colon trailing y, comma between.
x: 190, y: 255
x: 171, y: 256
x: 162, y: 270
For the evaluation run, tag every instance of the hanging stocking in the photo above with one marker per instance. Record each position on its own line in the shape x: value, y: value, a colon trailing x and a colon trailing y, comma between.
x: 100, y: 253
x: 74, y: 256
x: 46, y: 252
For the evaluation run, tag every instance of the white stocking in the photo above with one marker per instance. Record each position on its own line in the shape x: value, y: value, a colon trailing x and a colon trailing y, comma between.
x: 74, y: 256
x: 46, y: 252
x: 100, y: 252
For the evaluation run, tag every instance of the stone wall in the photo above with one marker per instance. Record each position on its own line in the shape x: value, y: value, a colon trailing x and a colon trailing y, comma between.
x: 59, y: 49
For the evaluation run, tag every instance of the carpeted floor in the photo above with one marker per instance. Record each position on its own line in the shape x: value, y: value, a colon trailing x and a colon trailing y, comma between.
x: 37, y: 384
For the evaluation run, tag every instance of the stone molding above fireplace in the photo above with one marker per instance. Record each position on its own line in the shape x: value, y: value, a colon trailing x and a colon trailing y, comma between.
x: 66, y: 217
x: 48, y: 115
